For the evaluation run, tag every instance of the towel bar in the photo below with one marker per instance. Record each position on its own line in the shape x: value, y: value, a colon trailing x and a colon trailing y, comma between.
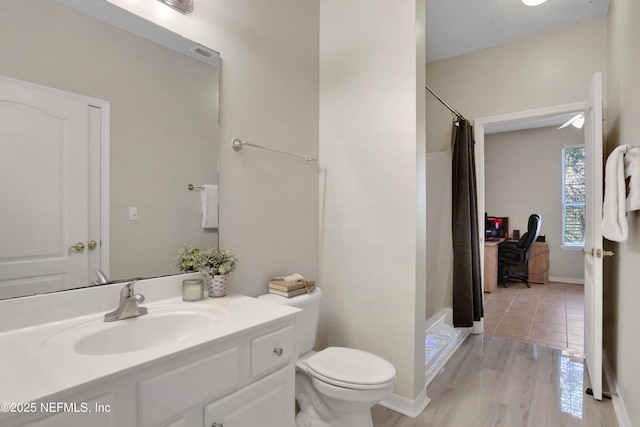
x: 237, y: 145
x: 629, y: 147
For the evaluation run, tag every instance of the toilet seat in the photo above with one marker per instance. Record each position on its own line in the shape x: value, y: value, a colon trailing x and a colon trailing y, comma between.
x: 350, y: 368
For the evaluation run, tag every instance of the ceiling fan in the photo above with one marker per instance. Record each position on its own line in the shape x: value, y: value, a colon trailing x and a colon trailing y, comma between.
x: 576, y: 121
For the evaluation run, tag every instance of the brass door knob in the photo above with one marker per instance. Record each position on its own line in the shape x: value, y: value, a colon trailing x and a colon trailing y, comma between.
x: 598, y: 253
x: 78, y: 247
x: 92, y: 244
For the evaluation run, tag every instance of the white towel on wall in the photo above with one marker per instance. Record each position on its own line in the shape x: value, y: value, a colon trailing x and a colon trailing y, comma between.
x: 209, y: 198
x: 614, y: 219
x: 632, y: 171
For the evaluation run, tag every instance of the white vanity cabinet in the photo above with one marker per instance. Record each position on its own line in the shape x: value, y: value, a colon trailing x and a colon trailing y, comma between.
x: 246, y: 380
x: 94, y: 407
x: 265, y: 403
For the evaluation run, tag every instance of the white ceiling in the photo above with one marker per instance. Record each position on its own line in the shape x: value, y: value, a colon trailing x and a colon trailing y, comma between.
x: 455, y: 27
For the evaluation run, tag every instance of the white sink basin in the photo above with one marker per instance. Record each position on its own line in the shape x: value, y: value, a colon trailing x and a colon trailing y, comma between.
x: 163, y: 325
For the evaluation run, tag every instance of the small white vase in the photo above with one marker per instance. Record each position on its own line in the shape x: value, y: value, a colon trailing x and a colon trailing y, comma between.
x: 217, y: 285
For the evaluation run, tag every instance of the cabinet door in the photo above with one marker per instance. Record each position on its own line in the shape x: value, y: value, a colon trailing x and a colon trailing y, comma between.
x: 94, y: 412
x: 269, y: 402
x: 164, y: 396
x: 182, y: 422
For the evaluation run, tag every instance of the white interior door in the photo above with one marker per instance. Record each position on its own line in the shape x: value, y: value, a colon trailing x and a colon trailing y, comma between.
x: 44, y: 191
x: 593, y: 237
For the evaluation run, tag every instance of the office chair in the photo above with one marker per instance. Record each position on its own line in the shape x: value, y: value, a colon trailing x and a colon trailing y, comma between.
x: 513, y: 256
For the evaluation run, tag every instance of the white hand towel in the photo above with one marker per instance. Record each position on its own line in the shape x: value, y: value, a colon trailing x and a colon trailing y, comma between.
x: 614, y: 219
x: 632, y: 171
x: 209, y: 198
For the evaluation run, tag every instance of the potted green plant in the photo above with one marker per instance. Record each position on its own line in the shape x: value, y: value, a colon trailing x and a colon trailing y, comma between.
x: 190, y: 259
x: 215, y: 264
x: 220, y: 262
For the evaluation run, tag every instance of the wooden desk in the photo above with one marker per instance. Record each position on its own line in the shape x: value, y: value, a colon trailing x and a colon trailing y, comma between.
x: 491, y: 264
x: 538, y: 265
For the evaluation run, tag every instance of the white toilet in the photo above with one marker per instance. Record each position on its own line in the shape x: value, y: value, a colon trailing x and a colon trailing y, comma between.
x: 335, y: 387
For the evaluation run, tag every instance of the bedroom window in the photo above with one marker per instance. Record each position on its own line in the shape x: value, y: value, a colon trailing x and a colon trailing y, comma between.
x: 573, y: 196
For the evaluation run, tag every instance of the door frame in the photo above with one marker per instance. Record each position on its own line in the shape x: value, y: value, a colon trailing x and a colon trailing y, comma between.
x: 479, y: 126
x: 104, y: 150
x: 105, y: 175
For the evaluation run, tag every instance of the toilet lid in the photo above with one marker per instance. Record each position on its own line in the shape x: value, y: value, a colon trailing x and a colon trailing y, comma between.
x: 347, y: 367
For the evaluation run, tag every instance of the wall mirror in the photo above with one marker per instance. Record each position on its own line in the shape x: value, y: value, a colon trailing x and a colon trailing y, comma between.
x: 163, y: 130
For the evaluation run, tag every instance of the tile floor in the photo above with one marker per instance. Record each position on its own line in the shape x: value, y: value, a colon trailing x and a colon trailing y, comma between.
x: 550, y: 315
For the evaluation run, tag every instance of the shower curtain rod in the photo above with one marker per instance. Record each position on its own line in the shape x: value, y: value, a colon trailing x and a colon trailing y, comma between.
x: 453, y: 110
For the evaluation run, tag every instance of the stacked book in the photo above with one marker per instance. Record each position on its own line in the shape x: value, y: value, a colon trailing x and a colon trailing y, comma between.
x: 287, y: 289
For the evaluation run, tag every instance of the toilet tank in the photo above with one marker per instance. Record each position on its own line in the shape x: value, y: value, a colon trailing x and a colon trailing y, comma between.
x: 307, y: 320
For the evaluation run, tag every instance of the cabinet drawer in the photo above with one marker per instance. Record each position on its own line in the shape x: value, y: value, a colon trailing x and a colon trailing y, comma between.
x: 272, y: 350
x: 159, y: 399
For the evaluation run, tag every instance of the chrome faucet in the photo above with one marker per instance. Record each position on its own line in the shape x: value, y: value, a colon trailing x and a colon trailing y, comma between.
x: 102, y: 278
x: 128, y: 305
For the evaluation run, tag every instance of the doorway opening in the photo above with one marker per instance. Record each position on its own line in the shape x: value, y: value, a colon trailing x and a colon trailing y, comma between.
x: 551, y: 312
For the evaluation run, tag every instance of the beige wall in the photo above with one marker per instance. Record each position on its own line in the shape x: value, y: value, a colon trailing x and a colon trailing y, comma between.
x: 439, y: 243
x: 552, y: 69
x: 371, y: 139
x: 523, y: 175
x: 163, y: 123
x: 622, y: 293
x: 268, y: 96
x: 269, y: 203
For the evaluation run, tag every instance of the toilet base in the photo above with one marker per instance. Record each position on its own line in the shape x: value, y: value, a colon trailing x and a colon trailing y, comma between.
x: 325, y: 405
x: 311, y: 419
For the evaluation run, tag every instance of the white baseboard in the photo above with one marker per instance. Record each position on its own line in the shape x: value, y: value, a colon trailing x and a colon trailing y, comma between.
x: 566, y: 280
x: 408, y: 407
x: 439, y: 324
x: 618, y: 403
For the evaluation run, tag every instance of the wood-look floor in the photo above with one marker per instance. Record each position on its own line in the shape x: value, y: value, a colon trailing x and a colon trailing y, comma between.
x: 495, y: 381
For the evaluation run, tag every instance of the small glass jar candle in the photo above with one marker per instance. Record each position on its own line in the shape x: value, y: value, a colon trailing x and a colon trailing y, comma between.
x: 192, y: 290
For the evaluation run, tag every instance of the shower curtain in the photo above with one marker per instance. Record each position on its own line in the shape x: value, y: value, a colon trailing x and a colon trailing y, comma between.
x: 467, y: 286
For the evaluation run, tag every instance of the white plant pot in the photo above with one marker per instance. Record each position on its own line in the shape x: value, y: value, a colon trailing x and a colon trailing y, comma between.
x: 217, y: 285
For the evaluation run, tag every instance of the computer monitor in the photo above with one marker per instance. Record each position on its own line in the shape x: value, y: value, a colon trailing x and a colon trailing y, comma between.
x: 496, y: 227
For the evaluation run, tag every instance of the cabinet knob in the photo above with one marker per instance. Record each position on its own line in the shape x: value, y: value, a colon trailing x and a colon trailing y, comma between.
x: 217, y: 425
x: 278, y: 351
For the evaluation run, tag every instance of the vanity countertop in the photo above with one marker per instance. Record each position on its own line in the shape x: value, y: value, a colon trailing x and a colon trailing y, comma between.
x: 32, y: 370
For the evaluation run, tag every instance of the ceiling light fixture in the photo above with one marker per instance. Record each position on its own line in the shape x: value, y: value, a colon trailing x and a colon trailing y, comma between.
x: 533, y: 2
x: 182, y: 6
